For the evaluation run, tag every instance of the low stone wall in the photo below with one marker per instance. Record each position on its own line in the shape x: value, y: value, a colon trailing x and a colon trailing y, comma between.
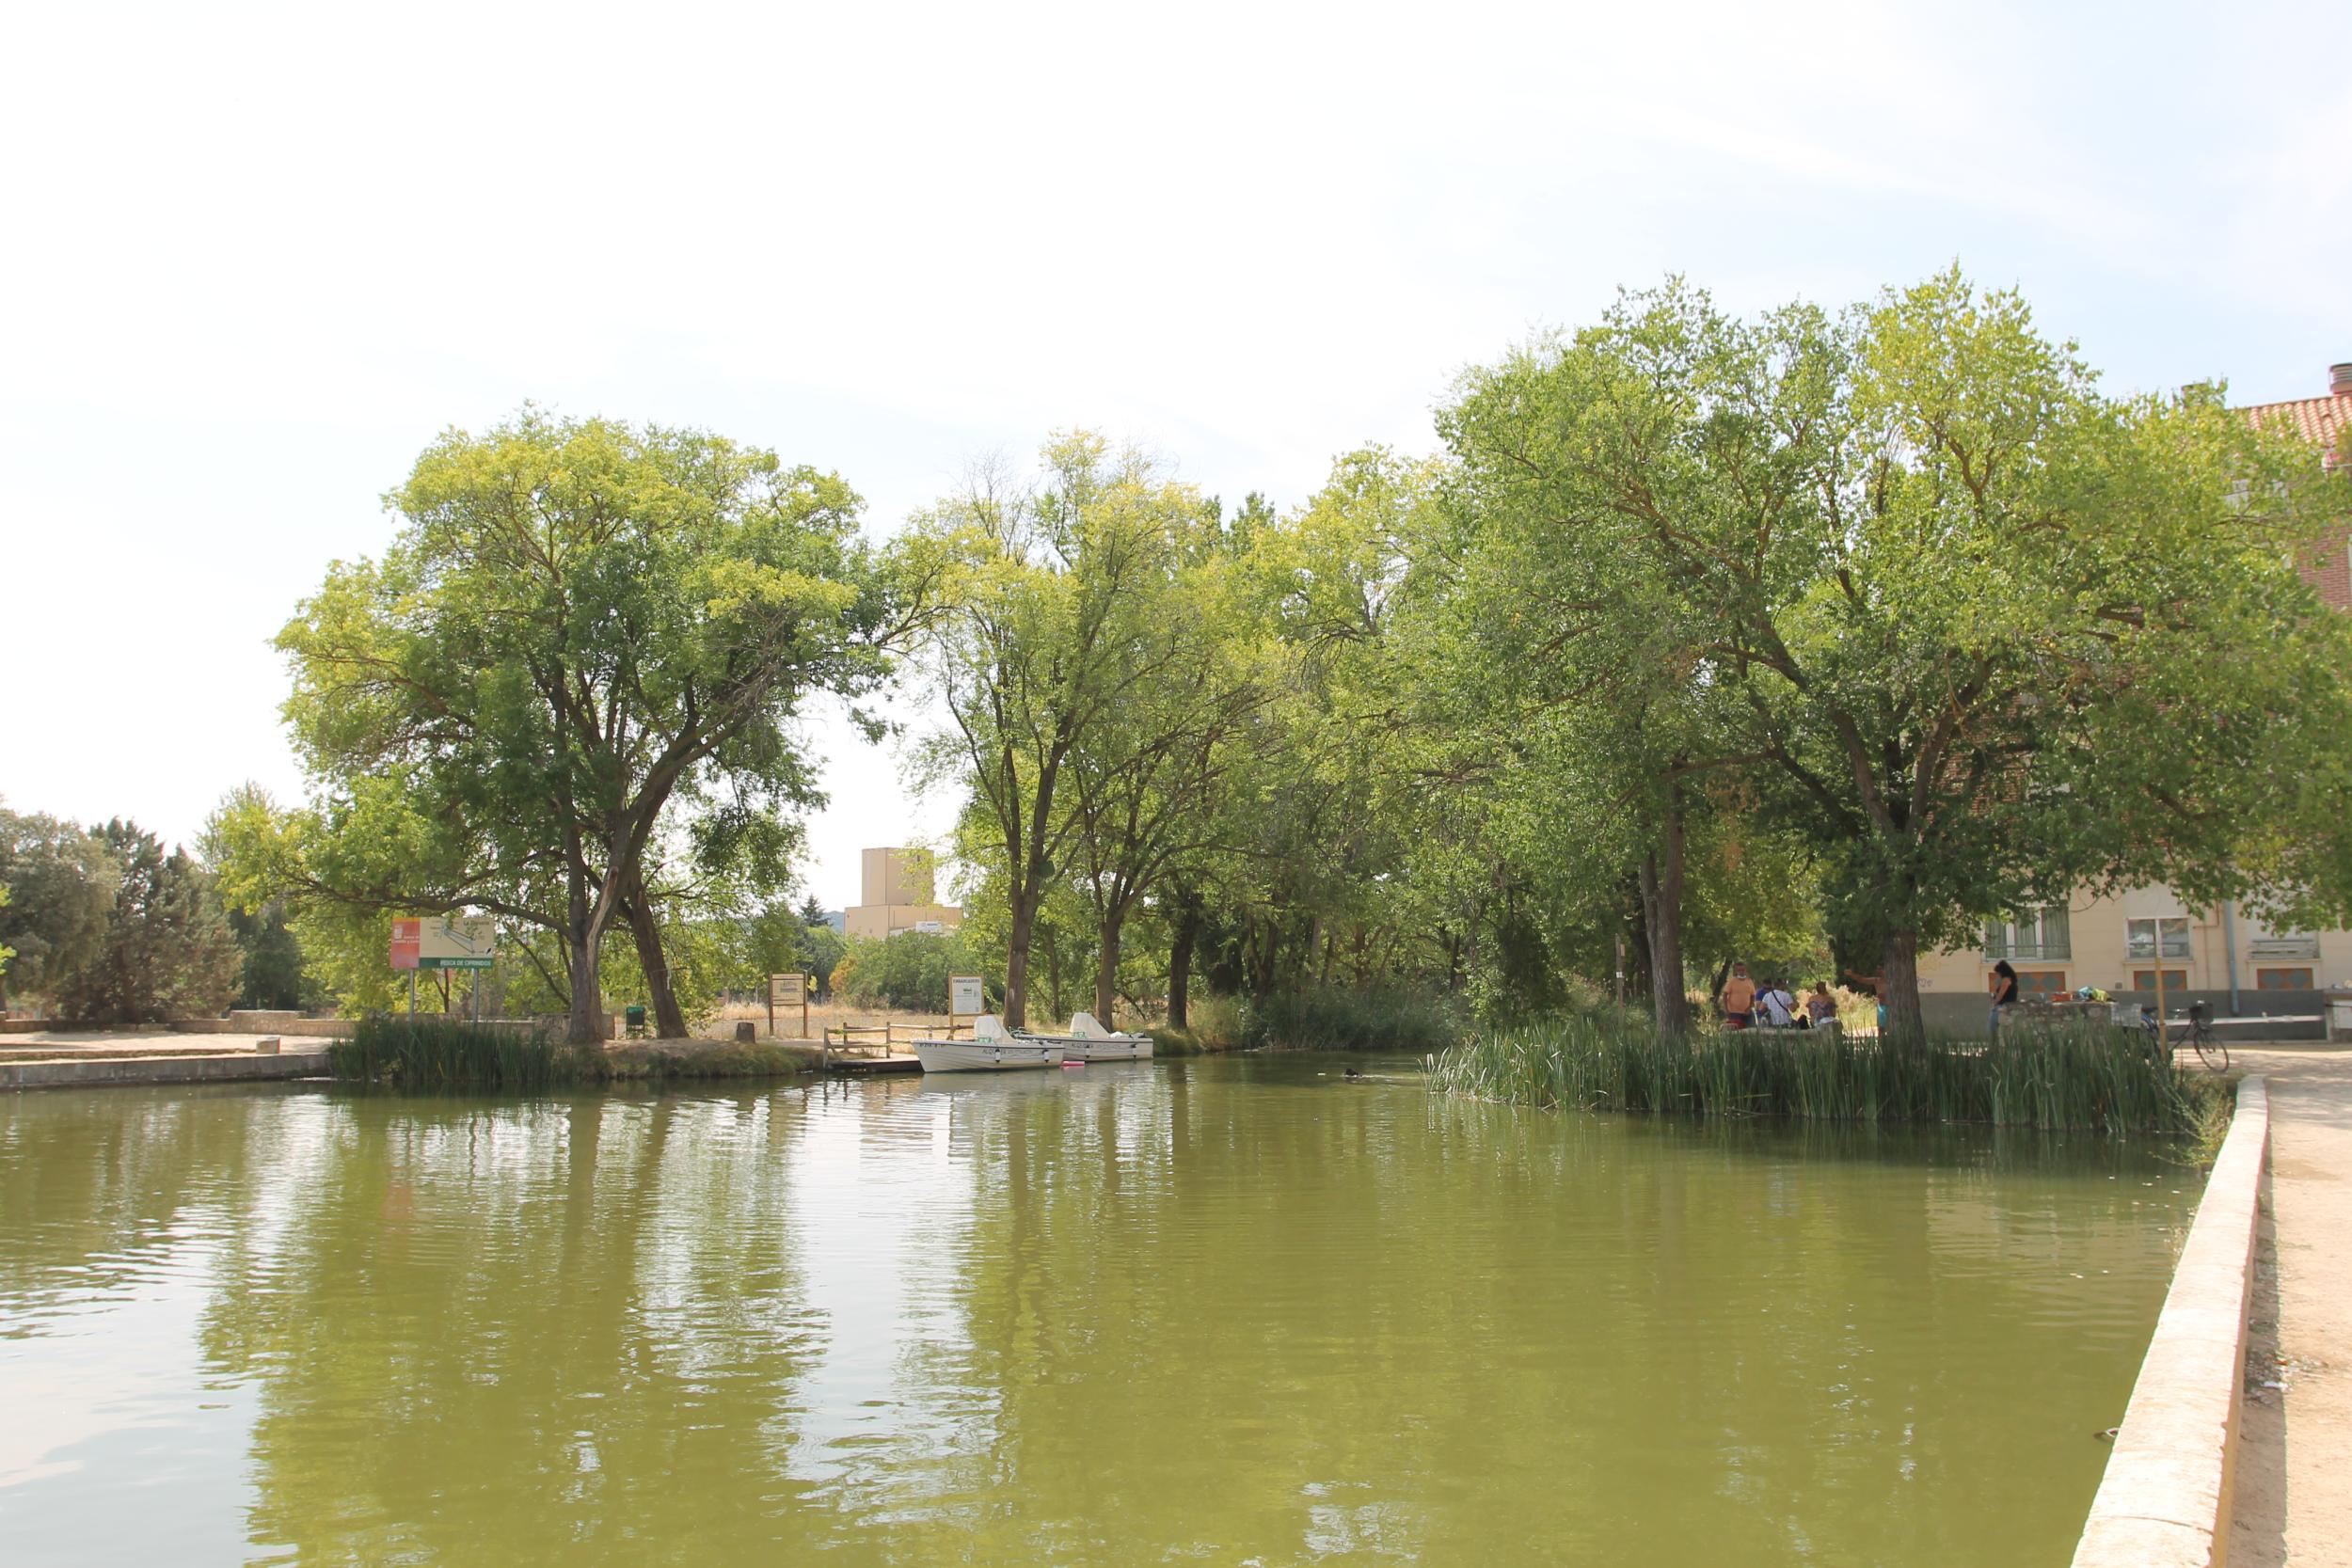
x: 2165, y: 1500
x: 235, y: 1024
x: 264, y: 1024
x: 160, y: 1069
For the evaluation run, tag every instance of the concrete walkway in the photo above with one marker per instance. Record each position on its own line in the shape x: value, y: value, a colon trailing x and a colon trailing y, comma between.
x: 2294, y: 1485
x: 52, y: 1045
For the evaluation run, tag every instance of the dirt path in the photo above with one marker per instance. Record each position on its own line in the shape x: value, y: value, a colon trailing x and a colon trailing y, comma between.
x: 2294, y: 1488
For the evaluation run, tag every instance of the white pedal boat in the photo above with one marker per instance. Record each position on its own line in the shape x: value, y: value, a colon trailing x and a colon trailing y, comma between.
x: 1089, y: 1041
x: 991, y: 1049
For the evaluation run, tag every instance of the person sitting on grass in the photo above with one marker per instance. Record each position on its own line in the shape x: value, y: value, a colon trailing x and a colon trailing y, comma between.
x: 1821, y: 1008
x: 1739, y: 999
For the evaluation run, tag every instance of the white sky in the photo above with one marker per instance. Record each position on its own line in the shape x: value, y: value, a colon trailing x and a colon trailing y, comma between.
x: 253, y: 258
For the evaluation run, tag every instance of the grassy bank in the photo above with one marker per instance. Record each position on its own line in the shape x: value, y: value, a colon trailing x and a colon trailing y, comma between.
x: 2071, y: 1078
x: 433, y: 1054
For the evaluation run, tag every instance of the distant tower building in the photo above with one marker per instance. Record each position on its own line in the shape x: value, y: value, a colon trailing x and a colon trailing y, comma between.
x: 897, y: 896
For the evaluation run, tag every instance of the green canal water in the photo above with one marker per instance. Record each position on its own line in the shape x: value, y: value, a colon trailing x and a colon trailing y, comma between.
x: 1233, y: 1312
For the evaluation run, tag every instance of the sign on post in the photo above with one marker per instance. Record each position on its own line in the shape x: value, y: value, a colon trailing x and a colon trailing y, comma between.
x: 967, y: 996
x: 407, y: 939
x: 457, y: 941
x: 784, y: 989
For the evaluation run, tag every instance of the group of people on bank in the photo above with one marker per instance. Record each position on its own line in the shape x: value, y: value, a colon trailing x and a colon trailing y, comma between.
x: 1771, y: 1006
x: 1747, y: 1005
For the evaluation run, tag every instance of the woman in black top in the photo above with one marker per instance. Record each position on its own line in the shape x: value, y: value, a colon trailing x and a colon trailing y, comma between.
x: 2002, y: 984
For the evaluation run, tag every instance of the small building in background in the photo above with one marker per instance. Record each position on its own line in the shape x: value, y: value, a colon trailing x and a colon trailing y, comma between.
x: 2221, y: 955
x: 898, y: 892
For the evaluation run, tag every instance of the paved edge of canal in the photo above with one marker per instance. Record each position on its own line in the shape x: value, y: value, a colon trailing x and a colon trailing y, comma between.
x: 2166, y: 1500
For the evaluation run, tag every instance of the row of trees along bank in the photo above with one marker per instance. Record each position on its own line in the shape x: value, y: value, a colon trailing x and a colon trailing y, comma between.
x: 1807, y: 638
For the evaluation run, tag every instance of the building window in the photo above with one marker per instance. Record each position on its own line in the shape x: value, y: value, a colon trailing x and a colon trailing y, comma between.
x: 2145, y: 979
x: 2035, y: 934
x: 2040, y: 984
x: 2141, y: 936
x: 2282, y: 980
x: 2285, y: 944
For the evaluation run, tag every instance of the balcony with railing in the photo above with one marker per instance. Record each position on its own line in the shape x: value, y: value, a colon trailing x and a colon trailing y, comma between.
x: 2042, y: 938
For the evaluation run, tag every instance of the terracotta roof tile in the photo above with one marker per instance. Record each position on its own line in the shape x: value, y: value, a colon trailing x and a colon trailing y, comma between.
x: 2316, y: 420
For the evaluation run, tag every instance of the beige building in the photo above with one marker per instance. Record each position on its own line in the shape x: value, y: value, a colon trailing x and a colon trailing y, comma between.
x: 2217, y: 956
x: 896, y: 893
x: 2220, y: 956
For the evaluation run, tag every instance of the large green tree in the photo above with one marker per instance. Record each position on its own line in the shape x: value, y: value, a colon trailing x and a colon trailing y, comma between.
x: 165, y: 951
x: 1061, y: 624
x: 584, y: 634
x: 1982, y: 630
x: 62, y: 884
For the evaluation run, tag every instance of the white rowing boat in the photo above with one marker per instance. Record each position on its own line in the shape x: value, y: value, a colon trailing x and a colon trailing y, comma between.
x: 1089, y: 1041
x: 991, y: 1049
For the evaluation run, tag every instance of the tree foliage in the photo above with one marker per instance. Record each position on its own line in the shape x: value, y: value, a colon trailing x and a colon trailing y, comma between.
x: 62, y: 884
x: 568, y: 685
x: 165, y: 951
x: 1979, y: 630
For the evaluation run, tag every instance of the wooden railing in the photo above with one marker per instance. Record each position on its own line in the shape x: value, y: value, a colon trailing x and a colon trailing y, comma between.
x: 888, y: 1035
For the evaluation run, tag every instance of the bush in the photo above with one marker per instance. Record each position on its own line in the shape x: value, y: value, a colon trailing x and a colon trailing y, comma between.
x: 1334, y: 1018
x: 1212, y: 1024
x: 2067, y: 1077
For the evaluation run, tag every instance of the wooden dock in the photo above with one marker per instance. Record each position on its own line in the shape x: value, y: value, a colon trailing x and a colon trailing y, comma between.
x: 868, y: 1067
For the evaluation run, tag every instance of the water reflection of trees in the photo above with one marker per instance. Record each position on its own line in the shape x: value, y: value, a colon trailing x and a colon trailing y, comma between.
x: 558, y: 1329
x: 1336, y: 1320
x: 95, y: 1187
x: 1223, y: 1312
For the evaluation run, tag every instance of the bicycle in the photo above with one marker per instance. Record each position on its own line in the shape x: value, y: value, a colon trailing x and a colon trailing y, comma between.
x: 2202, y: 1039
x: 2212, y: 1053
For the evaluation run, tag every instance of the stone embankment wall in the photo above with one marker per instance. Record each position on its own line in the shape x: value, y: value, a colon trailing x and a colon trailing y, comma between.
x: 2165, y: 1500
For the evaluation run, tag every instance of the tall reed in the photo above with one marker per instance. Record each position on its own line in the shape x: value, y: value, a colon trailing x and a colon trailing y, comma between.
x: 2061, y: 1077
x: 453, y: 1053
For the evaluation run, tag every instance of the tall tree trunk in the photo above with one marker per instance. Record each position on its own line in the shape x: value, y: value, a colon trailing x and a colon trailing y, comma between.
x: 587, y: 1024
x: 1017, y: 958
x: 1053, y: 976
x: 1262, y: 954
x: 669, y: 1022
x: 1662, y: 922
x: 1905, y: 1021
x: 1107, y: 968
x: 1180, y: 960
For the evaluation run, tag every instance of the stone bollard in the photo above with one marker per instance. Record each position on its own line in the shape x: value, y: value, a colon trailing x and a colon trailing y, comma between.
x: 265, y: 1046
x: 744, y: 1033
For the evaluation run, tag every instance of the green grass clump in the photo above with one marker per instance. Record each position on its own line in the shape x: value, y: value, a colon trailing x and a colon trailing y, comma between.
x: 455, y: 1054
x: 431, y: 1055
x: 1337, y: 1018
x: 664, y: 1065
x: 2073, y: 1076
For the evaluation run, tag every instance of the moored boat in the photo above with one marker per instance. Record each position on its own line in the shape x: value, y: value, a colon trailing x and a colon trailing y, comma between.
x: 1089, y: 1041
x: 991, y: 1049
